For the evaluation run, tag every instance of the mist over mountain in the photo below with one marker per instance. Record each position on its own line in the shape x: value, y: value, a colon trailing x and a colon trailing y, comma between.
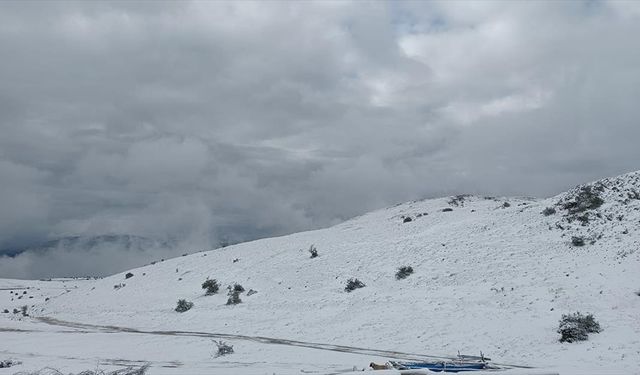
x: 79, y: 256
x: 203, y: 123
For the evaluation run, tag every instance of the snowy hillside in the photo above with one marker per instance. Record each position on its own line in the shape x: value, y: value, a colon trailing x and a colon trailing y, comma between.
x: 490, y: 274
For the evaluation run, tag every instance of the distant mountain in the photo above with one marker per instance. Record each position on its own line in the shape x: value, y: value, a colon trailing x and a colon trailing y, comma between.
x: 88, y: 243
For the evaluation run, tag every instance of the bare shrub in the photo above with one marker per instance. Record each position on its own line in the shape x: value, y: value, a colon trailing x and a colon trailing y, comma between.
x: 236, y: 288
x: 211, y: 286
x: 353, y: 284
x: 234, y: 298
x: 183, y: 305
x: 458, y: 200
x: 223, y: 348
x: 234, y: 294
x: 313, y: 251
x: 577, y: 241
x: 8, y: 363
x: 577, y: 327
x: 404, y: 272
x: 587, y: 198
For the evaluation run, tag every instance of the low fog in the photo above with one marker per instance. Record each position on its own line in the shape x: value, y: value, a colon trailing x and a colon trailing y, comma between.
x: 197, y: 124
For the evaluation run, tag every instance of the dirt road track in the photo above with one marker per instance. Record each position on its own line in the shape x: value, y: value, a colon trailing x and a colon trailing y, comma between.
x: 260, y: 339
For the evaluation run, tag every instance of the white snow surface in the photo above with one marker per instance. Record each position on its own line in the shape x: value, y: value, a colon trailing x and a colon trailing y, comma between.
x: 489, y: 276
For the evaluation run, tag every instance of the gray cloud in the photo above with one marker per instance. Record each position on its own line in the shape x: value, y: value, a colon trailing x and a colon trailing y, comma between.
x: 206, y: 122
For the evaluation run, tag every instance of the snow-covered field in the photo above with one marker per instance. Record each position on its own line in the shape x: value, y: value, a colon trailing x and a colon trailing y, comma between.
x: 492, y: 275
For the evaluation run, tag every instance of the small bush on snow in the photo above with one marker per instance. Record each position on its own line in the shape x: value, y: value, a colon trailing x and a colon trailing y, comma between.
x: 234, y: 298
x: 587, y: 198
x: 353, y: 284
x: 8, y: 363
x: 458, y: 200
x: 577, y: 327
x: 577, y: 241
x: 128, y: 275
x: 313, y: 251
x: 548, y: 211
x: 234, y: 294
x: 236, y: 288
x: 211, y: 286
x: 223, y: 348
x: 404, y: 272
x: 183, y: 305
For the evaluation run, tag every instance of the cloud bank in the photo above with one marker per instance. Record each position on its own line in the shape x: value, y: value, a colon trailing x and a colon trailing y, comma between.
x: 199, y: 123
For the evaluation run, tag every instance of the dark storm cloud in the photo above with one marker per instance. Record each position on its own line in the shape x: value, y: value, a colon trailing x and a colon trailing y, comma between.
x: 205, y: 122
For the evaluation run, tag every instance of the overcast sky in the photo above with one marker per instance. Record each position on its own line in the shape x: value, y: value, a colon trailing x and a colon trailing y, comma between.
x: 201, y: 122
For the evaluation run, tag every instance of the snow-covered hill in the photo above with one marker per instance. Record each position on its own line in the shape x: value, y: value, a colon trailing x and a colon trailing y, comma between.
x: 490, y: 274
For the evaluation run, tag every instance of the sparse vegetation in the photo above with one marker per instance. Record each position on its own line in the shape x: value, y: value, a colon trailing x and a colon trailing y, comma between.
x: 211, y: 286
x: 457, y: 200
x: 407, y: 220
x: 223, y: 348
x: 353, y: 284
x: 577, y: 241
x: 234, y: 298
x: 125, y: 371
x: 183, y: 305
x: 549, y: 211
x: 448, y: 209
x: 8, y: 363
x: 586, y: 199
x: 234, y: 294
x: 236, y: 288
x: 583, y: 219
x: 404, y: 272
x: 506, y: 205
x: 577, y: 327
x: 23, y: 310
x: 313, y: 251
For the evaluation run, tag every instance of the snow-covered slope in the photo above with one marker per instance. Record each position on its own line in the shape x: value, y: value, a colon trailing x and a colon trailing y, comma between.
x: 491, y: 274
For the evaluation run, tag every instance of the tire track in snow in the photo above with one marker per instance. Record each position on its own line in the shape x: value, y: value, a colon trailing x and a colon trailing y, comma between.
x: 259, y: 339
